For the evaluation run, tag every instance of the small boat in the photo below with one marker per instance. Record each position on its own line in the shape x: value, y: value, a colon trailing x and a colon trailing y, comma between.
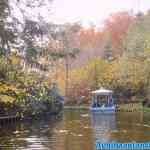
x: 102, y: 101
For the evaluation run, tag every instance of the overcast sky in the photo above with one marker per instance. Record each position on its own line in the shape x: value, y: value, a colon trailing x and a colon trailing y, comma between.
x: 92, y: 11
x: 88, y: 12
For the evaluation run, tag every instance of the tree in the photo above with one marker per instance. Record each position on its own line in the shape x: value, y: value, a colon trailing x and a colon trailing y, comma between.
x: 65, y: 47
x: 108, y: 50
x: 7, y: 34
x: 117, y: 26
x: 70, y: 48
x: 138, y: 36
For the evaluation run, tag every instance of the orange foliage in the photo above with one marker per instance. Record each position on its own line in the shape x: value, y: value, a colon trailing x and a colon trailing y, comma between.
x: 117, y: 25
x: 90, y: 38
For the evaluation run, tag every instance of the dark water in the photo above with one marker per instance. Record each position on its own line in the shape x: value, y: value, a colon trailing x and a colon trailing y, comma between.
x: 76, y: 130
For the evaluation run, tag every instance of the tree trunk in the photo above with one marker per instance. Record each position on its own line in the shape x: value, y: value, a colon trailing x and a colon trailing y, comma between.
x: 66, y: 78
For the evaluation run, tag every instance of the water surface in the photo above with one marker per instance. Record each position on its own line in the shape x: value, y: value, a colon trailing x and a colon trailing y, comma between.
x: 76, y: 130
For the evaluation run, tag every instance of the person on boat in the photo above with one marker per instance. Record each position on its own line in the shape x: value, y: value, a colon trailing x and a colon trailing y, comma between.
x: 98, y: 104
x: 94, y: 103
x: 110, y: 102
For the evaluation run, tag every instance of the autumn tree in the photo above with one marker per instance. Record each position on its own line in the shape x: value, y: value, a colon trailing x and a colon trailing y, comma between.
x: 117, y: 26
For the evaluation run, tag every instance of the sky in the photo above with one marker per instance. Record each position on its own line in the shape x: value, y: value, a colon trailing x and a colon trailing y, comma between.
x: 86, y: 12
x: 92, y: 12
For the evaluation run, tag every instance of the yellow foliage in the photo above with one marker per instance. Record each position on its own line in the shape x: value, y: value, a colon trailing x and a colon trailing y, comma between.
x: 6, y: 98
x: 16, y: 60
x: 5, y: 87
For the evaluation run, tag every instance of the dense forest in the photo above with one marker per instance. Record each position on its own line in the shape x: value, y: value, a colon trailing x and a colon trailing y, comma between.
x: 38, y: 57
x: 115, y: 56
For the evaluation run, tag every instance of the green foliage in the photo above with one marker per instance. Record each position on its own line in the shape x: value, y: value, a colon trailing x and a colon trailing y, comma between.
x: 31, y: 54
x: 2, y: 52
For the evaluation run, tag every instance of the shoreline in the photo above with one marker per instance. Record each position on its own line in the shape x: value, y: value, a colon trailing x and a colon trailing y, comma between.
x: 121, y: 108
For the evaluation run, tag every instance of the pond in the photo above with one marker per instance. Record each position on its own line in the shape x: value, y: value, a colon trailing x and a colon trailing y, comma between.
x: 76, y: 130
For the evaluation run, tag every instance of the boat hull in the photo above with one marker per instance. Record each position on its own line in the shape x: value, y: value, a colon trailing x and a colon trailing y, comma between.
x: 103, y: 109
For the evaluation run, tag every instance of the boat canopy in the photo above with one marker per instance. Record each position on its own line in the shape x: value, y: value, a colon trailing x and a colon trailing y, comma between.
x: 102, y: 91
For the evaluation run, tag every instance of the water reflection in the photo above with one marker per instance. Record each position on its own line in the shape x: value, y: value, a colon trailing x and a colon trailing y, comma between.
x: 131, y: 127
x: 76, y: 130
x: 103, y: 125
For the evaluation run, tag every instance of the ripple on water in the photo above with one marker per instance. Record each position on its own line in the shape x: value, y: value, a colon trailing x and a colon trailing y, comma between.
x: 146, y: 125
x: 114, y: 131
x: 75, y: 129
x: 16, y: 132
x: 75, y: 134
x: 63, y: 131
x: 84, y: 115
x: 138, y: 124
x: 124, y: 131
x: 87, y: 127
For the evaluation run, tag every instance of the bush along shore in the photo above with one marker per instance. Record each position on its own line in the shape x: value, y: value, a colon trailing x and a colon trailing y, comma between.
x: 26, y: 94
